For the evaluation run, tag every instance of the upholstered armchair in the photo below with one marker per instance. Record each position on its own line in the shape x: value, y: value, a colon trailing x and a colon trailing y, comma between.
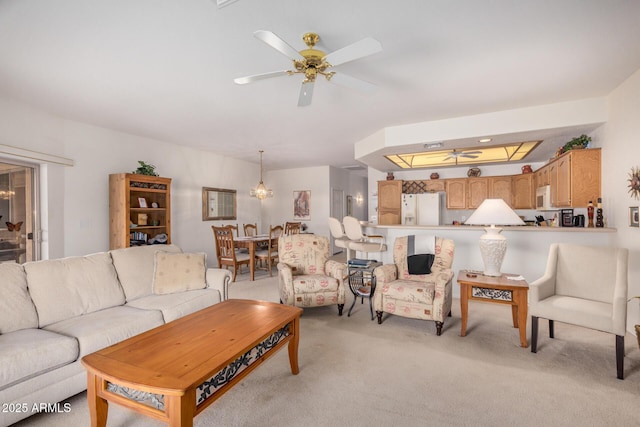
x: 417, y: 296
x: 583, y: 286
x: 306, y: 275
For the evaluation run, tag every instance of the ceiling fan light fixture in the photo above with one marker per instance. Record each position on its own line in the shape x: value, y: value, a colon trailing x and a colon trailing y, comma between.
x: 261, y: 191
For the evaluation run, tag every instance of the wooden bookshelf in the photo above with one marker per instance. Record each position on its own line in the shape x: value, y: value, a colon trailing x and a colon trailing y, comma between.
x: 132, y: 222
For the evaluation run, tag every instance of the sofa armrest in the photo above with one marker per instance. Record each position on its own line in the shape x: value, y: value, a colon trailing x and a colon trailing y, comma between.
x: 335, y: 269
x: 385, y: 274
x: 219, y: 278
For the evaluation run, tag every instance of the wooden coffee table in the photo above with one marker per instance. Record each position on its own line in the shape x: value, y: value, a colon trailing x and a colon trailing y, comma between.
x: 476, y: 286
x: 176, y: 370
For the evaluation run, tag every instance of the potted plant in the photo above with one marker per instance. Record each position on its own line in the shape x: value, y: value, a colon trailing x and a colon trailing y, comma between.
x: 581, y: 141
x: 145, y: 169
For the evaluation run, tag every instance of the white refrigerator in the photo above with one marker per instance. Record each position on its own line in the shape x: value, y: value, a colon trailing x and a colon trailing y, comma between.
x: 422, y: 209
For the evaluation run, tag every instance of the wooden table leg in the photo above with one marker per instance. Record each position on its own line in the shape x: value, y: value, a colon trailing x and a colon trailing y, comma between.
x: 521, y: 298
x: 181, y: 409
x: 293, y: 345
x: 514, y: 313
x: 252, y: 259
x: 464, y: 308
x: 98, y: 407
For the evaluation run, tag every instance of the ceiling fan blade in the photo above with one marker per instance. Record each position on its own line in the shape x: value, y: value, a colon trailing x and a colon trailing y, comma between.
x: 468, y: 156
x: 306, y: 92
x: 352, y: 82
x: 256, y: 77
x: 278, y: 44
x: 448, y: 158
x: 472, y: 152
x: 359, y: 49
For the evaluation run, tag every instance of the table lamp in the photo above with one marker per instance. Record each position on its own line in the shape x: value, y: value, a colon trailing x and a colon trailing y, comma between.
x: 493, y: 245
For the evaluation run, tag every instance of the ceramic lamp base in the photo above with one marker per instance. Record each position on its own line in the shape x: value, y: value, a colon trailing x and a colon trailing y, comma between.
x: 493, y: 246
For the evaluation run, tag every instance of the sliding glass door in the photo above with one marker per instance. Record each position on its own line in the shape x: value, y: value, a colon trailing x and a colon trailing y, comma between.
x: 18, y: 212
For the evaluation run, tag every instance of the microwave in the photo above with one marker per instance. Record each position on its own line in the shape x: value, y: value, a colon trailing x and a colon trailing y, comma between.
x: 543, y: 198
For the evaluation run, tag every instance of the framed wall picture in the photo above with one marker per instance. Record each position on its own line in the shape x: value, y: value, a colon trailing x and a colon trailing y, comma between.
x: 218, y: 203
x: 350, y: 205
x: 633, y: 217
x: 302, y: 205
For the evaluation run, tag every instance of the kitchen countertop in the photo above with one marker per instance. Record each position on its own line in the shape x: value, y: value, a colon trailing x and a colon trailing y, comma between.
x: 504, y: 228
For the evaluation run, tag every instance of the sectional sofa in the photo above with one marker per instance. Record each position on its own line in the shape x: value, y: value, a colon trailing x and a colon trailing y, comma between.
x: 54, y: 312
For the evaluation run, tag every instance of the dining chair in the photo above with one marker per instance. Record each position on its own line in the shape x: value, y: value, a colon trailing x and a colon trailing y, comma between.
x: 234, y: 227
x: 270, y: 254
x: 292, y: 228
x: 226, y: 250
x: 250, y: 230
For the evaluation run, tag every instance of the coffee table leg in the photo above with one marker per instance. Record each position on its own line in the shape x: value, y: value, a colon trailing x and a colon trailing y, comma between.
x: 293, y: 346
x: 98, y: 407
x: 180, y: 409
x: 464, y: 308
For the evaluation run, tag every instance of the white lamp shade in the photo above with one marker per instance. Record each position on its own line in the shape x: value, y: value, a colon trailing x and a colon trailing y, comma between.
x: 494, y: 212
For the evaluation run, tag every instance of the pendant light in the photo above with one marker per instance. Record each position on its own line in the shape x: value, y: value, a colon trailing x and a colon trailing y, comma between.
x: 261, y: 191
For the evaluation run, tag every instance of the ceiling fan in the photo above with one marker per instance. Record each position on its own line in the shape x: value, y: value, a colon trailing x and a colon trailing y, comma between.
x: 468, y: 154
x: 313, y: 62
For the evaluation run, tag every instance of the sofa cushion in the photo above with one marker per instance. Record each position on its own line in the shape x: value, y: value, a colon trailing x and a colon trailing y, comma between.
x: 16, y: 308
x: 178, y: 272
x: 135, y: 268
x: 100, y: 329
x: 69, y: 287
x: 174, y: 306
x: 30, y: 352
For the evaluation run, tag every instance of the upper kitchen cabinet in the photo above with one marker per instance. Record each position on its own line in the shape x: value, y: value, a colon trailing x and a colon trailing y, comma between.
x: 578, y: 178
x: 478, y: 191
x: 500, y: 187
x: 542, y: 176
x: 456, y: 193
x: 524, y: 191
x: 389, y: 202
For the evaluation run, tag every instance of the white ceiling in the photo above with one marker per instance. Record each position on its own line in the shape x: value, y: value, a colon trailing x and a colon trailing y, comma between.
x: 164, y: 69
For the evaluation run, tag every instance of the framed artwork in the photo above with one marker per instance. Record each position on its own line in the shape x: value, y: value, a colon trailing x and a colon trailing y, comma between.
x: 142, y: 202
x: 633, y: 216
x: 349, y: 205
x: 218, y: 203
x: 302, y: 205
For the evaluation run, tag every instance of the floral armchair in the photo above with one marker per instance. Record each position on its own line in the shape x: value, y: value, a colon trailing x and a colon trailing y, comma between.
x: 306, y: 275
x: 417, y: 296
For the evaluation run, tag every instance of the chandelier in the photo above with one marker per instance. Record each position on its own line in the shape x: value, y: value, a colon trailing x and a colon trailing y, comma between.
x: 261, y: 191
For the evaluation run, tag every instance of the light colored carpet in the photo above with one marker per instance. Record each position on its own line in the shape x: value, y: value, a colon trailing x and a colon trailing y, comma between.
x: 356, y: 372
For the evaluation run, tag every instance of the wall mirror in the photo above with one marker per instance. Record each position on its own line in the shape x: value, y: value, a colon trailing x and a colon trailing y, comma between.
x: 218, y: 203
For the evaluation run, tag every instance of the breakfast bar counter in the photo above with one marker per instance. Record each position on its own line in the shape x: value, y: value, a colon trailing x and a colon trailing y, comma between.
x: 527, y: 246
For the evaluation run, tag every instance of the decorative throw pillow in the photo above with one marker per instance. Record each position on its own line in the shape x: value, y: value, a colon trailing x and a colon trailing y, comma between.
x: 178, y: 272
x: 420, y: 264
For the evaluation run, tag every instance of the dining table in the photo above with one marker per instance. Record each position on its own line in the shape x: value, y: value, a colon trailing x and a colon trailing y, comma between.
x: 251, y: 243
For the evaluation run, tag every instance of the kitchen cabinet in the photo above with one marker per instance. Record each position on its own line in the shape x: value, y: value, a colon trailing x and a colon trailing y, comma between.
x: 478, y: 189
x: 500, y: 187
x: 456, y: 193
x: 524, y: 187
x: 542, y: 176
x: 389, y: 202
x: 553, y: 183
x: 578, y: 178
x: 435, y: 185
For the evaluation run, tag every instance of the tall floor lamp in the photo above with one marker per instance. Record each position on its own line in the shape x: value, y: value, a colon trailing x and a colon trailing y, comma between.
x: 493, y: 245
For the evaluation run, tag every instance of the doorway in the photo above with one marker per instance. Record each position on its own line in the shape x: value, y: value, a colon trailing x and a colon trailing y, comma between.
x: 18, y: 218
x: 337, y: 211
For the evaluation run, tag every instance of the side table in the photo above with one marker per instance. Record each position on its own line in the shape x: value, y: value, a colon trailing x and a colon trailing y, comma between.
x: 362, y: 283
x: 476, y: 286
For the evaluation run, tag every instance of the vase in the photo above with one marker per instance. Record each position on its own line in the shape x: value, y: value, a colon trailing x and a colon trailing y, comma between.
x: 390, y: 176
